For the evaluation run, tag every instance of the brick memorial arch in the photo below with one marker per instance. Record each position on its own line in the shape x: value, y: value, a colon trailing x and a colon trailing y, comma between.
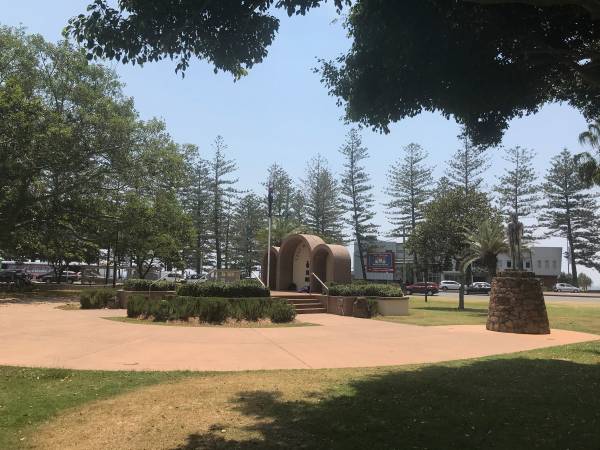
x: 302, y: 255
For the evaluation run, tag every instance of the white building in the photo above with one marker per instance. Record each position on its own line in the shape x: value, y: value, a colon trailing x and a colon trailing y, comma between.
x: 545, y: 262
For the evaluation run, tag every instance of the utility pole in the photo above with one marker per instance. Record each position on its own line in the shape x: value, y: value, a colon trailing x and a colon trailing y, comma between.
x: 270, y: 213
x: 404, y: 254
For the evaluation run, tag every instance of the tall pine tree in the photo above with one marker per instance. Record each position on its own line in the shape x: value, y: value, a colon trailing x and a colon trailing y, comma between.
x: 249, y: 219
x: 324, y: 211
x: 222, y: 190
x: 518, y: 192
x: 569, y: 211
x: 467, y: 165
x: 287, y: 204
x: 357, y: 197
x: 409, y: 188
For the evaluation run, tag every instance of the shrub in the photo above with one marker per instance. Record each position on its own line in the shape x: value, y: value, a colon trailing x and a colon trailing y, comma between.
x: 97, y: 299
x: 238, y: 289
x: 136, y: 305
x: 162, y: 310
x: 282, y: 312
x: 137, y: 284
x: 251, y: 309
x: 365, y: 290
x: 213, y: 310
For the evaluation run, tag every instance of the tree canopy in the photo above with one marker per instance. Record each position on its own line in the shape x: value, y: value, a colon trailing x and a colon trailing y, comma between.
x: 483, y: 62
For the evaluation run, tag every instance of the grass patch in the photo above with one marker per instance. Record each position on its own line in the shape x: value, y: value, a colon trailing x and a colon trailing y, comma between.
x: 582, y: 317
x: 539, y: 399
x: 29, y: 397
x: 227, y: 324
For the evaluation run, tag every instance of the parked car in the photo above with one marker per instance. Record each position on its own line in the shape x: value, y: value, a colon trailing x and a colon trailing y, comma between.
x: 565, y: 287
x: 449, y: 285
x: 68, y: 276
x: 479, y: 287
x: 172, y: 276
x: 422, y: 288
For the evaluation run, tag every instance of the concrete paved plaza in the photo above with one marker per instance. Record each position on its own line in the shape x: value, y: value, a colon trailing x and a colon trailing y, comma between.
x: 38, y: 334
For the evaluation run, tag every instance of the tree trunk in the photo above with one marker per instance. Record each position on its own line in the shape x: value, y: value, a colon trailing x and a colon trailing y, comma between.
x: 572, y: 257
x: 362, y: 258
x: 115, y: 261
x: 107, y: 265
x: 461, y: 293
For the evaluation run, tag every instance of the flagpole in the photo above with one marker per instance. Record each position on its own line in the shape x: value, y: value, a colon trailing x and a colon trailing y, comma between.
x: 270, y: 213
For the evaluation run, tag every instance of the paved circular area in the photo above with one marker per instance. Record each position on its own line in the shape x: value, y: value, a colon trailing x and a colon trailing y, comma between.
x: 41, y: 335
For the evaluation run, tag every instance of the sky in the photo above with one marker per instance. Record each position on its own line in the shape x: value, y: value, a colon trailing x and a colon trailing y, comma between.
x: 282, y: 113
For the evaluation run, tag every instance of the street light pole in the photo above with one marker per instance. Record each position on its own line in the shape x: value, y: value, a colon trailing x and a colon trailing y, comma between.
x: 404, y: 254
x: 270, y: 213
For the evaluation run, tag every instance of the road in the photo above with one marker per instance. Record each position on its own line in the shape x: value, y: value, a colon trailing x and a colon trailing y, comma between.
x: 550, y: 297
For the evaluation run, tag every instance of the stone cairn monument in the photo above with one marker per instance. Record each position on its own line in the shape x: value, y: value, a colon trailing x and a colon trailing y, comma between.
x: 516, y: 300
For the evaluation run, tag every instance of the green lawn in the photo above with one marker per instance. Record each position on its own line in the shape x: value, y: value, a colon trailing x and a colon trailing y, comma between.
x: 577, y: 316
x: 30, y: 396
x: 542, y: 399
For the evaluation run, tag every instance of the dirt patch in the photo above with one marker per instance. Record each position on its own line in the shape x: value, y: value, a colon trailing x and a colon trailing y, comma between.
x: 216, y: 411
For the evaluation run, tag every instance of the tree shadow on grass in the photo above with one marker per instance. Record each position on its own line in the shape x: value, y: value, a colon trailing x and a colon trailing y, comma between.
x: 491, y: 404
x: 472, y: 311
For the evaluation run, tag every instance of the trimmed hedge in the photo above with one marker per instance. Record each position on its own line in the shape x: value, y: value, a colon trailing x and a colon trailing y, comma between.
x: 365, y: 290
x: 211, y: 310
x: 97, y: 299
x: 138, y: 284
x: 238, y: 289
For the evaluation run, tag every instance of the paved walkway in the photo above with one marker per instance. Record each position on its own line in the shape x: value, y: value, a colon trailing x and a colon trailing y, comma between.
x: 41, y: 335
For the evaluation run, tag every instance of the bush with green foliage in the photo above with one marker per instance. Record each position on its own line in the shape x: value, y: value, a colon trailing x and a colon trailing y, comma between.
x: 210, y: 309
x: 365, y: 290
x: 97, y: 299
x: 238, y: 289
x: 138, y: 284
x: 250, y: 309
x: 282, y: 312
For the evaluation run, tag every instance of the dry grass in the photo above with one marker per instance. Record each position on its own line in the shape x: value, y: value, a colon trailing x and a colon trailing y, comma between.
x: 539, y: 399
x: 165, y: 416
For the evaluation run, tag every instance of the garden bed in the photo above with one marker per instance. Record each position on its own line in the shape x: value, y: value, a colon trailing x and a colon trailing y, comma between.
x: 229, y: 323
x: 214, y: 310
x: 366, y: 300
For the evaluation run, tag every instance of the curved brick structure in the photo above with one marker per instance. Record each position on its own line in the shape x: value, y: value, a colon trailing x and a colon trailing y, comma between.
x: 330, y: 262
x: 299, y: 256
x: 517, y: 304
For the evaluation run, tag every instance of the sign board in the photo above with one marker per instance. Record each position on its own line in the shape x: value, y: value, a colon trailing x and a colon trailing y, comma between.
x: 380, y: 262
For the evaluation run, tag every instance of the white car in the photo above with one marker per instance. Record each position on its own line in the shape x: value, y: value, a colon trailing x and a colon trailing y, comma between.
x: 449, y: 285
x: 171, y: 276
x: 565, y: 287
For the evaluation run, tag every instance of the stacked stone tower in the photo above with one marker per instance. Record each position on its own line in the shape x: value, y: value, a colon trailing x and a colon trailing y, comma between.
x: 517, y: 304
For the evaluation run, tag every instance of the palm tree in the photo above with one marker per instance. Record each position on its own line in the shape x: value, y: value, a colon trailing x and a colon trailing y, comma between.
x: 485, y: 244
x: 589, y: 168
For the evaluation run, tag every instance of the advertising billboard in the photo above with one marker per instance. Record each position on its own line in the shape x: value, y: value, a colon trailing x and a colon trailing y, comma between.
x: 380, y: 262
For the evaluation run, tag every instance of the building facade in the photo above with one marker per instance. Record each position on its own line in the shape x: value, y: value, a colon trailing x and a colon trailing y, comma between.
x: 545, y: 262
x: 387, y: 261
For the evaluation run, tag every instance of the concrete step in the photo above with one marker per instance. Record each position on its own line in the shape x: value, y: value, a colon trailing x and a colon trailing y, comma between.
x: 300, y: 301
x: 317, y: 310
x: 307, y: 305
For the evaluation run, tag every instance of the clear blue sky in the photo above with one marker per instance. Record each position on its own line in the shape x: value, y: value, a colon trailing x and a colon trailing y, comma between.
x: 281, y: 112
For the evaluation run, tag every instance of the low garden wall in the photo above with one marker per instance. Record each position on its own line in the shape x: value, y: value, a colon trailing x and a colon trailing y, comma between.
x: 351, y: 306
x: 365, y: 300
